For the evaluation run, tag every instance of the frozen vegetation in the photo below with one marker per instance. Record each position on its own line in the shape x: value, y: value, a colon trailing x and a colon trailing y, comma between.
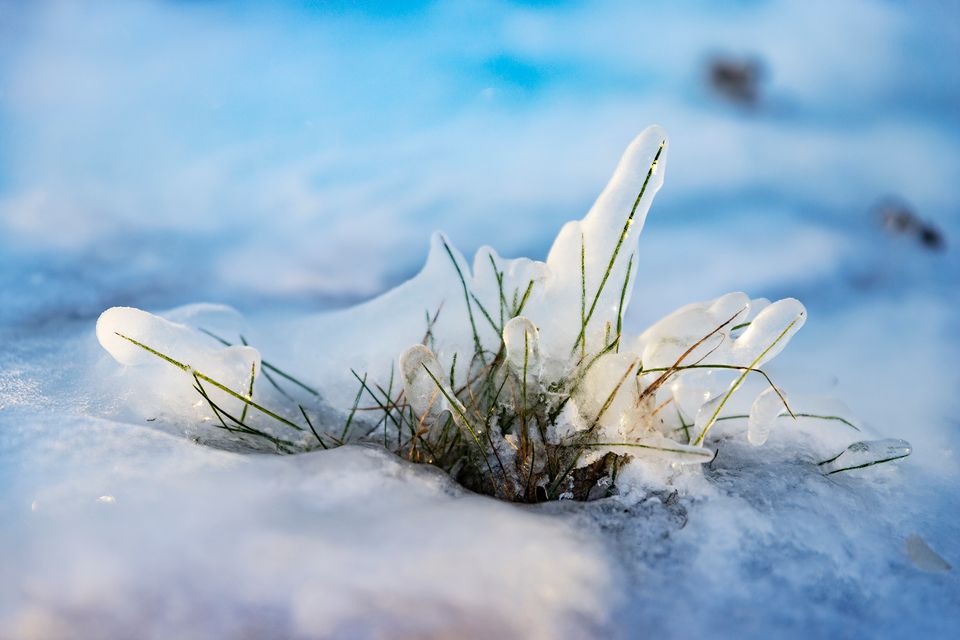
x: 551, y: 399
x: 138, y: 170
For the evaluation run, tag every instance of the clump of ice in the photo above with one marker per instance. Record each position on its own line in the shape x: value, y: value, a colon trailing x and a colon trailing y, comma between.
x: 766, y: 408
x: 521, y: 341
x: 552, y: 330
x: 421, y: 371
x: 161, y: 382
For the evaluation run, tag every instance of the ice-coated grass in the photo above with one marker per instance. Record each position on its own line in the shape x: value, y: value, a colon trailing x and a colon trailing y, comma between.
x: 471, y: 459
x: 521, y: 419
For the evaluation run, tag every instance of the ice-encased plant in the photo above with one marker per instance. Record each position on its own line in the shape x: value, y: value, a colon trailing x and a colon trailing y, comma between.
x: 515, y: 376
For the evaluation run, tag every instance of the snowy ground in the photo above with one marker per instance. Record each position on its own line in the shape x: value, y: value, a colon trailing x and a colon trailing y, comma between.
x: 293, y: 161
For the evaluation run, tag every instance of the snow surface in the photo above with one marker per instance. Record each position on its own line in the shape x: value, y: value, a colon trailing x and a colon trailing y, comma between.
x: 267, y: 197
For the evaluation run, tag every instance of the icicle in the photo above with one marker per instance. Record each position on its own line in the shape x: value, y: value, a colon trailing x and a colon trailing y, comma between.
x: 522, y: 341
x: 768, y: 333
x: 763, y: 413
x: 706, y: 415
x: 421, y: 391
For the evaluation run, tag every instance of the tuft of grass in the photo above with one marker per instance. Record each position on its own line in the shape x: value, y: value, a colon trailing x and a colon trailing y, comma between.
x: 497, y: 430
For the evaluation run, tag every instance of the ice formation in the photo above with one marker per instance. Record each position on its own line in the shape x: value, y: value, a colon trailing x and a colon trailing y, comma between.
x: 520, y: 378
x: 186, y: 349
x: 860, y: 455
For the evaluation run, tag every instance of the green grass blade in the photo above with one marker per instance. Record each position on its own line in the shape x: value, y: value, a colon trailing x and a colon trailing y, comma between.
x: 739, y: 381
x: 353, y: 410
x: 303, y: 412
x: 623, y: 296
x: 623, y: 236
x: 478, y: 348
x: 215, y: 383
x: 253, y: 373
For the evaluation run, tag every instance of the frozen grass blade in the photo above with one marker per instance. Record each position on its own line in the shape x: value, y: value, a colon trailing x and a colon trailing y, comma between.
x: 284, y: 446
x: 265, y: 371
x: 493, y: 325
x: 303, y: 412
x: 623, y: 236
x: 265, y: 365
x: 458, y: 410
x: 837, y: 418
x: 735, y: 368
x: 583, y: 298
x: 623, y: 296
x: 253, y: 372
x: 387, y: 407
x: 613, y: 394
x: 866, y: 464
x: 739, y: 381
x: 578, y: 450
x: 669, y: 371
x: 684, y: 426
x: 216, y: 410
x: 428, y: 336
x: 706, y: 454
x: 353, y: 410
x: 503, y: 297
x: 478, y: 348
x: 523, y: 300
x: 218, y: 385
x: 797, y: 415
x: 290, y: 378
x: 389, y: 396
x: 861, y: 455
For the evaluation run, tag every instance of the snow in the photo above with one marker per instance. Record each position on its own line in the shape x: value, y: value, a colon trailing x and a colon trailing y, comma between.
x: 138, y: 170
x: 198, y: 543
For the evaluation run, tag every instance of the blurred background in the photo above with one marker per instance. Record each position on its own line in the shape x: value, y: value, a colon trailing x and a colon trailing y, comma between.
x: 298, y: 154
